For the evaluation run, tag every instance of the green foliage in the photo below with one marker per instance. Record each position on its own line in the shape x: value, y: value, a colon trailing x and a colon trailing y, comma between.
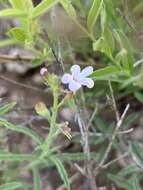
x: 69, y: 8
x: 6, y: 108
x: 17, y: 157
x: 12, y: 13
x: 12, y: 186
x: 106, y: 72
x: 27, y: 131
x: 61, y: 171
x: 94, y: 13
x: 37, y: 181
x: 18, y: 34
x: 44, y: 6
x: 42, y: 110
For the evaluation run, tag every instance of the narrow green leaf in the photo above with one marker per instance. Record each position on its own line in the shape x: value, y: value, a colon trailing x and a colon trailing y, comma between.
x: 11, y: 185
x: 68, y: 8
x: 130, y: 81
x: 7, y: 42
x: 137, y: 151
x: 120, y: 181
x: 93, y: 14
x: 6, y: 108
x: 44, y: 6
x: 120, y: 56
x: 101, y: 124
x: 125, y: 44
x: 105, y: 43
x: 133, y: 168
x: 17, y: 4
x: 12, y: 13
x: 17, y: 157
x: 103, y: 18
x: 36, y: 179
x: 130, y: 120
x: 107, y: 71
x: 76, y: 156
x: 61, y: 169
x: 135, y: 183
x: 25, y: 5
x: 20, y: 129
x: 109, y: 44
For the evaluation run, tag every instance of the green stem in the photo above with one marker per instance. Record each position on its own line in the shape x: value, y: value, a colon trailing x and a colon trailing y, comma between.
x: 54, y: 116
x: 49, y: 139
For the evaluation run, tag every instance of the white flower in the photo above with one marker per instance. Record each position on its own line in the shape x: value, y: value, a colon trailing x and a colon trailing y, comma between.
x: 78, y: 78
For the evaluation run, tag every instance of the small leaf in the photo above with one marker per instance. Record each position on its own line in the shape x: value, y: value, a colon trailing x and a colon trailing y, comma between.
x: 93, y: 13
x: 42, y: 7
x: 6, y: 108
x: 120, y: 56
x: 42, y: 110
x: 97, y: 45
x: 61, y: 170
x: 105, y: 43
x: 18, y: 34
x: 37, y: 62
x: 20, y: 129
x: 107, y: 71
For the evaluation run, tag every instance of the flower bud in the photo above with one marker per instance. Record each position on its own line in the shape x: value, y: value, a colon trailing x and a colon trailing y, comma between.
x: 43, y: 71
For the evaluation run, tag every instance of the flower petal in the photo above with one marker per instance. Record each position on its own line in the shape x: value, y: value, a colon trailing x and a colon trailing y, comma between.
x: 86, y: 71
x: 87, y: 82
x: 74, y: 86
x: 66, y: 78
x: 75, y: 70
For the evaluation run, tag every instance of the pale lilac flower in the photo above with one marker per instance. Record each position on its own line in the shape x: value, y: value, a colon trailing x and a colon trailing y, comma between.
x: 78, y: 78
x: 43, y: 71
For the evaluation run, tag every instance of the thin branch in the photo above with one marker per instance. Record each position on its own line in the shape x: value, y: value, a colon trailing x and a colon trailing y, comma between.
x: 114, y: 102
x: 21, y: 84
x: 86, y: 148
x: 115, y: 132
x: 92, y: 117
x: 105, y: 166
x: 71, y: 180
x: 5, y: 57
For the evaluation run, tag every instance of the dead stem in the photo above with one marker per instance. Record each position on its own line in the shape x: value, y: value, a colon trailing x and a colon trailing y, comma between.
x: 116, y: 130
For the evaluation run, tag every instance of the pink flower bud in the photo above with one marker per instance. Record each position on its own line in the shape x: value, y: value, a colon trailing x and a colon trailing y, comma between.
x: 43, y: 71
